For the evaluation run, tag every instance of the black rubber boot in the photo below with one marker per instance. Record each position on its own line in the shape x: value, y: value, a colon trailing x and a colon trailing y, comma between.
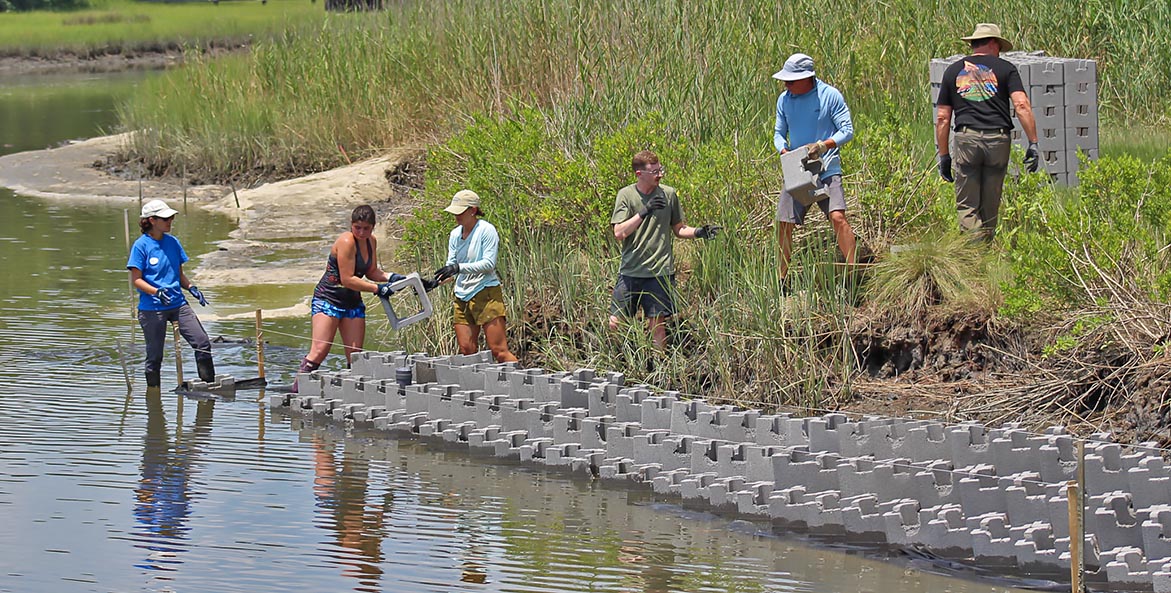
x: 153, y: 379
x: 307, y: 366
x: 206, y: 367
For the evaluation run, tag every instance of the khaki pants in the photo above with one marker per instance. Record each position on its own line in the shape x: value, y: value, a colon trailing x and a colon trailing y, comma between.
x: 981, y: 163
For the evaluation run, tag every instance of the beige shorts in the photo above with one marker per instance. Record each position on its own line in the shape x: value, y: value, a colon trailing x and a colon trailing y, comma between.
x: 484, y: 306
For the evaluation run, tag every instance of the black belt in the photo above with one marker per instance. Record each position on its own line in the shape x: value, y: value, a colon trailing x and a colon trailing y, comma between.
x: 1005, y: 131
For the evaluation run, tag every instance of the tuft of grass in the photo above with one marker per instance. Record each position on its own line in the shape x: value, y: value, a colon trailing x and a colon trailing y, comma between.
x: 948, y: 272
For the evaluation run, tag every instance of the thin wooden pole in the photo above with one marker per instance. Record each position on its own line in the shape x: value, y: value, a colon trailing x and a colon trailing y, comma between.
x: 125, y: 371
x: 259, y: 345
x: 178, y: 355
x: 1080, y: 563
x: 129, y: 279
x: 1075, y: 542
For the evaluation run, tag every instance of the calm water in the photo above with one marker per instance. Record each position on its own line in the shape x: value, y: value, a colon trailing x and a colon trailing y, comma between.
x: 104, y: 490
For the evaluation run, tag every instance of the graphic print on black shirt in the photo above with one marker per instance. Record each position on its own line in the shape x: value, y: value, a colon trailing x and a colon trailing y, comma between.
x: 978, y: 88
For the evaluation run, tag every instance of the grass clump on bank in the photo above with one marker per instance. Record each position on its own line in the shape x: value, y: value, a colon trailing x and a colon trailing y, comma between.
x: 128, y: 27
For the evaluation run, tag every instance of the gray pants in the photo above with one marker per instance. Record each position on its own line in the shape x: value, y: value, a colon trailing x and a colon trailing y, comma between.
x: 154, y: 329
x: 981, y: 163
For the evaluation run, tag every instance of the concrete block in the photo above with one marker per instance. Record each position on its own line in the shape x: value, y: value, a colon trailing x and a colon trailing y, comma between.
x: 801, y: 175
x: 867, y: 438
x: 521, y: 383
x: 1053, y: 159
x: 568, y: 427
x: 603, y: 399
x: 992, y: 543
x: 920, y: 442
x: 969, y: 445
x: 817, y: 472
x: 1104, y: 470
x: 1035, y: 547
x: 1042, y: 96
x: 547, y: 387
x: 490, y: 410
x: 354, y: 389
x: 979, y: 490
x: 817, y: 511
x: 1081, y: 137
x: 945, y: 531
x: 514, y: 413
x: 1027, y: 497
x: 781, y: 430
x: 1082, y: 115
x: 628, y: 404
x: 425, y: 367
x: 620, y: 439
x: 823, y: 432
x: 1114, y: 521
x: 1047, y: 73
x: 1156, y: 531
x: 863, y: 517
x: 1127, y: 566
x: 656, y: 412
x: 1047, y: 117
x: 561, y: 454
x: 1150, y: 484
x: 496, y: 378
x: 463, y: 405
x: 753, y: 499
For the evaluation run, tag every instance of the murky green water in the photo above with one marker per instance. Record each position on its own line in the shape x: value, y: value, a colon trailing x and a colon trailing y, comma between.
x: 101, y: 490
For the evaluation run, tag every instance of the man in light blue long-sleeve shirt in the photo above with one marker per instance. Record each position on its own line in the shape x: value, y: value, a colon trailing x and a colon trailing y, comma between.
x: 812, y: 114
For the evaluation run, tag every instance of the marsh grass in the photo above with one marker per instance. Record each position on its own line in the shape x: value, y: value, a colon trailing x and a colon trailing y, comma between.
x: 124, y: 26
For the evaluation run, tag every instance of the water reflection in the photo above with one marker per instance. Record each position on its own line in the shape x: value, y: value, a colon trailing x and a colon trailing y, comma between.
x: 165, y: 491
x: 340, y: 486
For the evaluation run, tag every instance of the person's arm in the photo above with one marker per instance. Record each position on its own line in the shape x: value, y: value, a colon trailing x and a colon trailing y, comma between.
x: 141, y: 284
x: 781, y: 129
x: 842, y: 121
x: 942, y: 129
x: 623, y: 230
x: 489, y: 244
x: 622, y: 220
x: 1024, y: 112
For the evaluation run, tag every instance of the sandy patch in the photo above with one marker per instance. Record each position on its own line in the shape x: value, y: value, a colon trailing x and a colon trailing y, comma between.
x: 283, y: 229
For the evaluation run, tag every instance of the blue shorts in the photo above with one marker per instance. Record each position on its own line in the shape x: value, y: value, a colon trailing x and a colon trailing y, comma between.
x: 324, y: 306
x: 655, y: 296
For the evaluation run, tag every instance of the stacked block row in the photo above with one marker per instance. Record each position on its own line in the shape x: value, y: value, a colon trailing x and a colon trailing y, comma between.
x: 1064, y: 95
x: 996, y: 496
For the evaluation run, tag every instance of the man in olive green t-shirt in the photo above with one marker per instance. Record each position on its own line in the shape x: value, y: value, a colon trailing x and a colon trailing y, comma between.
x: 647, y: 217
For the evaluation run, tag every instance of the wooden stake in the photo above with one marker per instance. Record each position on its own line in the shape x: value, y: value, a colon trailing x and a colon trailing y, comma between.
x: 178, y: 355
x: 125, y: 371
x: 259, y: 346
x: 1079, y: 586
x: 129, y: 279
x: 1073, y: 495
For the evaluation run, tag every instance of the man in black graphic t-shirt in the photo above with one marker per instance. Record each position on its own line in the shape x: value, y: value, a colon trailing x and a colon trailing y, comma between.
x: 978, y: 90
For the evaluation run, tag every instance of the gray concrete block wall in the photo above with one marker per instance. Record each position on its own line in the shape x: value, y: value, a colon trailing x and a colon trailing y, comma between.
x: 994, y: 495
x: 1064, y: 96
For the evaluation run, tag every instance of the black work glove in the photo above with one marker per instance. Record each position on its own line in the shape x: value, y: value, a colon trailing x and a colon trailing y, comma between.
x: 448, y: 271
x: 429, y: 284
x: 163, y: 297
x: 945, y: 168
x: 198, y: 294
x: 384, y: 290
x: 707, y: 231
x: 657, y: 202
x: 1032, y: 158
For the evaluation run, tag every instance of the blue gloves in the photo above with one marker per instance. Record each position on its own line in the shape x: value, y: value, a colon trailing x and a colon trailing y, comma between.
x: 198, y: 294
x: 384, y: 290
x: 162, y: 297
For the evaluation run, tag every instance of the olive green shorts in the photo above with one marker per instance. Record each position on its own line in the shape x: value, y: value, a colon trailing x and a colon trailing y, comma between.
x: 484, y: 306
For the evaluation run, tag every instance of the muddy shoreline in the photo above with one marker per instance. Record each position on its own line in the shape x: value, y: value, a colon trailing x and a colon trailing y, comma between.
x: 297, y: 218
x: 112, y: 59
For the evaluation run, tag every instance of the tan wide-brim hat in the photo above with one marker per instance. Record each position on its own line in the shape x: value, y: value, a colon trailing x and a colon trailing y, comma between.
x: 989, y: 30
x: 462, y: 200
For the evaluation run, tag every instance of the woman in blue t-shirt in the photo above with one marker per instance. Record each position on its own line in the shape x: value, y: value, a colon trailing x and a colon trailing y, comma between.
x: 156, y: 270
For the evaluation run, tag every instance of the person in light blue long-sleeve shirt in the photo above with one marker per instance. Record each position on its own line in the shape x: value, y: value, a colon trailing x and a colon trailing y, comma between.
x: 472, y: 248
x: 814, y: 115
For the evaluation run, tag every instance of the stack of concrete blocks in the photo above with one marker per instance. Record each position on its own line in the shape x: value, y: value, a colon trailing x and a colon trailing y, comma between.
x: 994, y: 496
x: 1064, y: 95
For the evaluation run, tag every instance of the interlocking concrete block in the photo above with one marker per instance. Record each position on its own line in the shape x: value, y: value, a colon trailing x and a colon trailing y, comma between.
x: 781, y: 430
x: 628, y: 404
x: 1082, y: 115
x: 1027, y: 497
x: 1047, y: 73
x: 623, y: 470
x: 886, y: 480
x: 435, y: 401
x: 816, y: 472
x: 992, y: 543
x: 514, y: 413
x: 568, y: 427
x: 920, y: 442
x: 561, y: 454
x: 698, y: 418
x: 540, y: 419
x: 823, y: 432
x: 1048, y: 117
x: 575, y: 388
x: 483, y: 438
x: 817, y: 511
x: 521, y: 383
x: 1081, y: 137
x: 656, y: 412
x: 490, y: 410
x: 1127, y: 566
x: 979, y: 490
x: 1104, y: 470
x: 312, y: 383
x: 508, y: 444
x: 603, y: 399
x: 668, y: 481
x: 1150, y: 484
x: 457, y: 432
x: 463, y: 405
x: 1156, y: 531
x: 620, y: 439
x: 546, y: 387
x: 1042, y: 96
x: 969, y: 445
x: 753, y: 499
x: 533, y: 450
x: 1015, y: 451
x: 863, y: 517
x: 354, y: 389
x: 1114, y: 521
x: 670, y: 451
x: 705, y: 456
x: 496, y: 378
x: 425, y: 367
x: 867, y: 438
x: 1035, y: 547
x: 801, y: 174
x: 326, y: 406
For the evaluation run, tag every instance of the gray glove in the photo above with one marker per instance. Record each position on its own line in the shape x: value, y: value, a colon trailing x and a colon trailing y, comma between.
x: 657, y: 202
x: 707, y: 231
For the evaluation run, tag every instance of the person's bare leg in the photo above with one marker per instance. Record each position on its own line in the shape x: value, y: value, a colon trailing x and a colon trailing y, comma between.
x: 496, y: 335
x: 847, y: 243
x: 353, y: 335
x: 785, y: 245
x: 468, y: 338
x: 658, y: 327
x: 323, y: 328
